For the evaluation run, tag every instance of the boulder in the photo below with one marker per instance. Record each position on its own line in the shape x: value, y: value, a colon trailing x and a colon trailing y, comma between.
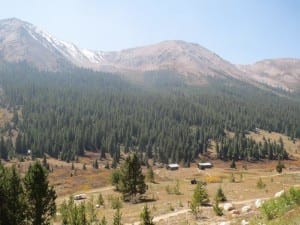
x: 279, y: 194
x: 224, y: 223
x: 258, y: 203
x: 228, y: 206
x: 235, y: 212
x: 246, y: 208
x: 244, y: 222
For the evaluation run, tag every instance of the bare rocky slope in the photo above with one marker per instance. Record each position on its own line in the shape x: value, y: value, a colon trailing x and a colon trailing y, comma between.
x: 282, y: 73
x: 22, y: 41
x: 192, y: 61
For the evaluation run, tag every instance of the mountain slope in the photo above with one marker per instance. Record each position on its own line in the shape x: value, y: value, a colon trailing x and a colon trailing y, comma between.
x: 22, y: 41
x: 185, y: 62
x: 188, y: 59
x: 282, y: 73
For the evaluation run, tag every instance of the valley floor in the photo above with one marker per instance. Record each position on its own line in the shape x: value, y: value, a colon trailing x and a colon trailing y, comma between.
x: 239, y: 186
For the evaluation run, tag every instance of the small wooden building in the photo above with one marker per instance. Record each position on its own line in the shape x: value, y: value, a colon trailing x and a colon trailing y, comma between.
x: 173, y: 166
x: 205, y: 165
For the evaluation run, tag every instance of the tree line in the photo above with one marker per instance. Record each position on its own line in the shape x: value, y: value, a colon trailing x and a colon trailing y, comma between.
x: 241, y: 147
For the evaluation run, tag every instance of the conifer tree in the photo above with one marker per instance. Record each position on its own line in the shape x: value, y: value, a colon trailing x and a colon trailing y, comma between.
x: 115, y: 179
x: 279, y: 167
x: 19, y: 148
x: 100, y: 200
x: 73, y: 214
x: 217, y: 209
x: 200, y: 197
x: 150, y: 175
x: 103, y: 221
x: 132, y: 180
x: 146, y: 217
x: 91, y: 210
x: 40, y: 195
x: 3, y: 149
x: 220, y: 196
x: 4, y: 210
x: 16, y: 201
x: 12, y: 199
x: 95, y: 164
x: 233, y: 165
x: 117, y: 220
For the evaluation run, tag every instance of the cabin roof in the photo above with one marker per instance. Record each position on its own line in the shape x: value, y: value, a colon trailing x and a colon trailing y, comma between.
x: 205, y: 164
x: 173, y: 165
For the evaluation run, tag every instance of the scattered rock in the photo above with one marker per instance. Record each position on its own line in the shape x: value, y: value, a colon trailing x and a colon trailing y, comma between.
x: 228, y: 207
x: 234, y: 216
x: 97, y: 206
x: 246, y: 208
x: 244, y: 222
x: 224, y: 223
x: 258, y: 203
x: 235, y: 212
x: 279, y: 194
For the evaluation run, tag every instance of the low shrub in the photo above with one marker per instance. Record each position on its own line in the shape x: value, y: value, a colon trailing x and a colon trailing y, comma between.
x: 260, y: 184
x: 276, y: 207
x: 115, y: 201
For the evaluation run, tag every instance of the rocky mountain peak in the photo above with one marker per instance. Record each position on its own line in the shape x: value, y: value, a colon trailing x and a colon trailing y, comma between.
x: 22, y: 41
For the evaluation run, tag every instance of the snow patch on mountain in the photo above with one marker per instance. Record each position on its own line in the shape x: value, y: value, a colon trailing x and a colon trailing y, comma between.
x: 94, y: 57
x: 69, y: 50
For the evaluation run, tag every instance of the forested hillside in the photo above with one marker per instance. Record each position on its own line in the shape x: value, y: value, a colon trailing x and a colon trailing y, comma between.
x: 64, y: 114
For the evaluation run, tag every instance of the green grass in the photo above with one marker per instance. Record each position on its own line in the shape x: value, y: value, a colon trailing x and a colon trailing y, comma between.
x: 281, y: 210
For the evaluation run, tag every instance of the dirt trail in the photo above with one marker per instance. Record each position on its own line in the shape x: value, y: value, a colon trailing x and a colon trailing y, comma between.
x: 281, y: 174
x: 60, y: 199
x: 182, y: 211
x: 164, y: 216
x: 252, y: 200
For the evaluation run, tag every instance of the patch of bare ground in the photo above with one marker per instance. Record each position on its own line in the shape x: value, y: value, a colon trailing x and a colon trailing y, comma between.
x: 293, y: 147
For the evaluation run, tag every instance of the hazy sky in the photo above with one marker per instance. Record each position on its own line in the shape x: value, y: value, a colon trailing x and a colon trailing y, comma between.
x: 241, y: 31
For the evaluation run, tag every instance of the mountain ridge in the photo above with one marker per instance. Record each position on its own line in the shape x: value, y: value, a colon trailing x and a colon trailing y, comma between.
x: 22, y: 41
x: 279, y: 72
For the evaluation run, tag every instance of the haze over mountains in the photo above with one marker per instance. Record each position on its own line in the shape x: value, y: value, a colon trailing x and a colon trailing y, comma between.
x: 22, y: 41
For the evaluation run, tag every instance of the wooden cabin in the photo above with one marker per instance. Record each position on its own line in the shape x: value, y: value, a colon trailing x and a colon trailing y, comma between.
x: 173, y: 166
x: 205, y: 165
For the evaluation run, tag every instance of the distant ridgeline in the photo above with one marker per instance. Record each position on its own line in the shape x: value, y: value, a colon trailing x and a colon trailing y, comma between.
x: 64, y: 114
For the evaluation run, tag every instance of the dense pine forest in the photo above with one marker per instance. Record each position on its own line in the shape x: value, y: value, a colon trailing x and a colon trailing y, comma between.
x: 65, y: 114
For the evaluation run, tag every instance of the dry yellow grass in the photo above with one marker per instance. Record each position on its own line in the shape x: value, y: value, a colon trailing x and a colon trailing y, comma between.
x: 92, y: 182
x: 241, y: 192
x: 290, y: 146
x: 213, y: 179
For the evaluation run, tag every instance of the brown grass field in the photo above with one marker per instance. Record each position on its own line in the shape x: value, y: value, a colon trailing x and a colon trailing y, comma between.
x: 170, y: 208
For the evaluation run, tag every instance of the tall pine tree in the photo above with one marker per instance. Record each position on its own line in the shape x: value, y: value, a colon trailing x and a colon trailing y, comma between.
x: 40, y: 195
x: 132, y: 180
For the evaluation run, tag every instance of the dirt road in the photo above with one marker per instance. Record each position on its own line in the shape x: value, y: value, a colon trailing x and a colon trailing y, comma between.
x: 164, y: 216
x: 60, y: 199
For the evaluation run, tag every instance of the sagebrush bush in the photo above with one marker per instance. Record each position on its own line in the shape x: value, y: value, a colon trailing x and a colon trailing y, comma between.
x: 260, y: 184
x: 116, y: 202
x: 220, y: 196
x: 276, y: 207
x: 295, y: 195
x: 218, y: 211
